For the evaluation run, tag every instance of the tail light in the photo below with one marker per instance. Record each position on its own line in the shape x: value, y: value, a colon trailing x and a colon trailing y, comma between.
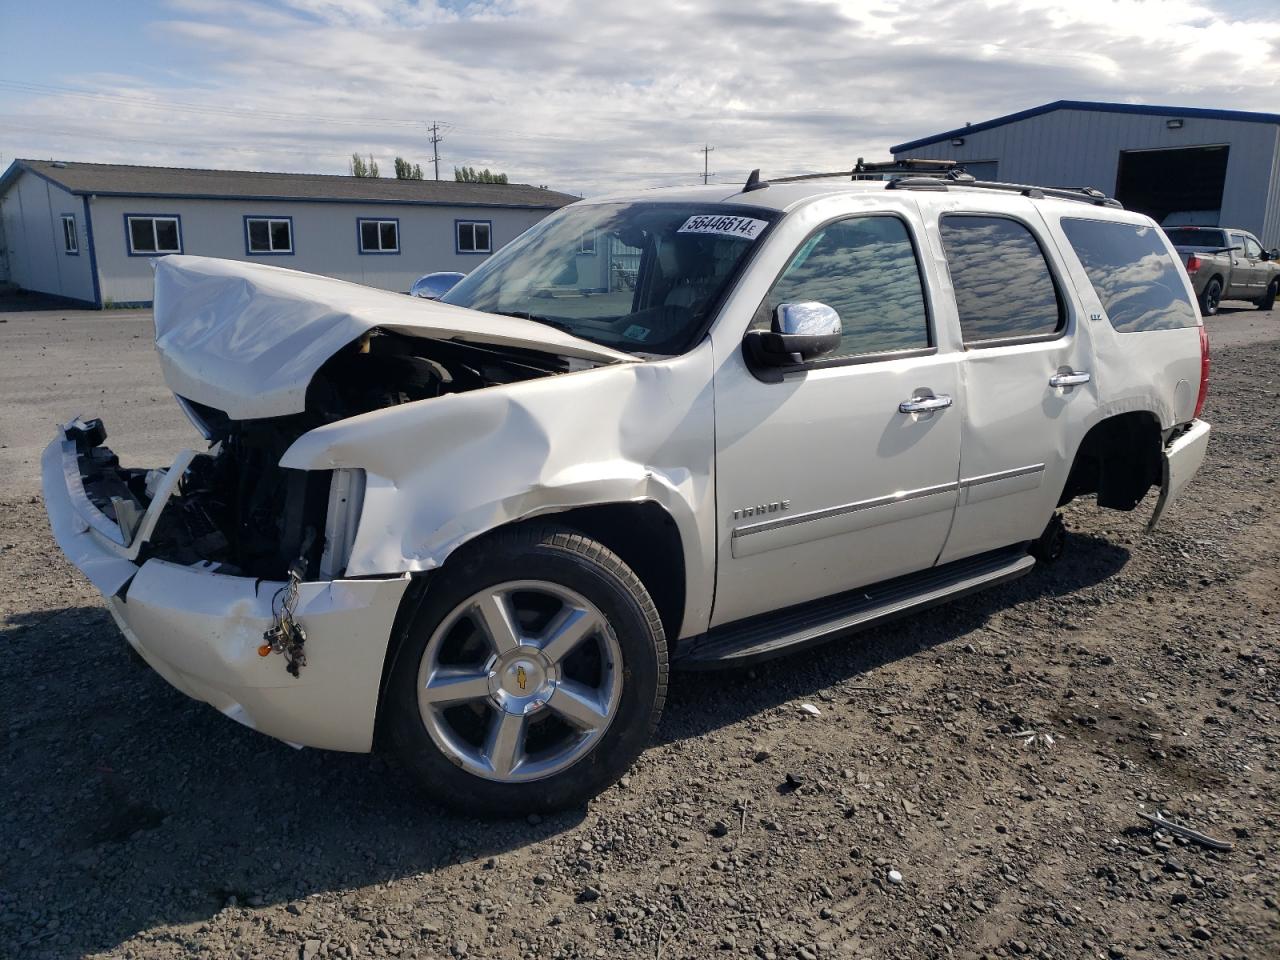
x: 1193, y: 263
x: 1204, y: 371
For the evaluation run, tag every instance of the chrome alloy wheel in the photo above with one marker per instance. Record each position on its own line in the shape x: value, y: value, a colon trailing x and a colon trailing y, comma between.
x: 520, y: 680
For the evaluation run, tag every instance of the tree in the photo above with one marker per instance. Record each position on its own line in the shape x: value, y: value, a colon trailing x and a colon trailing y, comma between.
x: 362, y: 168
x: 471, y: 175
x: 407, y: 171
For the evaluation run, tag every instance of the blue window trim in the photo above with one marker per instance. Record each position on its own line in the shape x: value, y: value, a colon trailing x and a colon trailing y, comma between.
x: 128, y: 234
x: 360, y: 221
x: 293, y: 243
x: 457, y: 247
x: 62, y: 219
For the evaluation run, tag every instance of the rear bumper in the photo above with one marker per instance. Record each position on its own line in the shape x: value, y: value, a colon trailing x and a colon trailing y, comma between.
x: 201, y: 630
x: 1182, y: 458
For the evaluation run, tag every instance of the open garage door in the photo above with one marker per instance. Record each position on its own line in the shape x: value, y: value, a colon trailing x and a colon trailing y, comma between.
x: 1187, y: 181
x: 982, y: 169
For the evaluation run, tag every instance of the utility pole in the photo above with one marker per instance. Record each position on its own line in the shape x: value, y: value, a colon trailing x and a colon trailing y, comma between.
x: 706, y: 157
x: 435, y: 147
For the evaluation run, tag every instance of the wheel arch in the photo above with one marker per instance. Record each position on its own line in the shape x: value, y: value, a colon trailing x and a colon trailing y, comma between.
x: 643, y: 533
x: 1119, y: 459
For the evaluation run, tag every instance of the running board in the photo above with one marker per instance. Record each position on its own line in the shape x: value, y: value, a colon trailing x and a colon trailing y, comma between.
x: 784, y: 631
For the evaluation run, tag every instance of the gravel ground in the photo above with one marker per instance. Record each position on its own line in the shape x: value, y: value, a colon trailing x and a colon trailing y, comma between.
x: 970, y: 785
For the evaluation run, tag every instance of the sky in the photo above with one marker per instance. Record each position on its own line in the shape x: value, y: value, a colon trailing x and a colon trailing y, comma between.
x: 589, y: 97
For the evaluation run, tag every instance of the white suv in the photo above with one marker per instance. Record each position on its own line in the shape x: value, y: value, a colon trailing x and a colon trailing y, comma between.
x: 692, y: 426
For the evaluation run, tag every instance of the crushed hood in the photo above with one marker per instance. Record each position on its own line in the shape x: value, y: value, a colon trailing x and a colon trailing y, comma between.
x: 247, y: 338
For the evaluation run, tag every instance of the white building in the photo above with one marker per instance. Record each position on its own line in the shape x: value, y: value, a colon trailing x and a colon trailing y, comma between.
x: 88, y: 231
x: 1205, y: 166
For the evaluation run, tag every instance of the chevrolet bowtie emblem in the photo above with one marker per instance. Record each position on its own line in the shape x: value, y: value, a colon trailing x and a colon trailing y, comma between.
x: 521, y: 677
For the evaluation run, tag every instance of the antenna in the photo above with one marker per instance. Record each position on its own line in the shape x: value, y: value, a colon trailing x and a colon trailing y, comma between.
x: 754, y: 182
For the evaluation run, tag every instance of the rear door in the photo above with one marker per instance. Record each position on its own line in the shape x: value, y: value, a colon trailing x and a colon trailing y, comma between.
x: 1027, y: 374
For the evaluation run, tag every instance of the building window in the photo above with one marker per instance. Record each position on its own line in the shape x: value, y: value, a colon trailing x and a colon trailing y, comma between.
x: 379, y: 236
x: 70, y: 240
x: 153, y: 234
x: 268, y: 235
x: 474, y: 236
x: 587, y: 244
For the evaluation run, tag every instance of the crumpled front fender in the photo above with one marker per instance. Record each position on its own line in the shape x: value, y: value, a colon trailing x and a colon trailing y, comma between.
x: 443, y: 471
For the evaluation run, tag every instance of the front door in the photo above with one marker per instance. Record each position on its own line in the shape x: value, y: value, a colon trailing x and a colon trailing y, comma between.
x: 1248, y: 271
x: 1028, y: 378
x: 823, y: 481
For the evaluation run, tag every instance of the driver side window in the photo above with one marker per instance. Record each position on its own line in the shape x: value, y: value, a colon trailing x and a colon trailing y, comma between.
x: 865, y: 268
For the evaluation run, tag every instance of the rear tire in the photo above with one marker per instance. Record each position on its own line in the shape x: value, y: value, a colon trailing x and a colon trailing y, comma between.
x: 1211, y: 297
x: 1269, y: 299
x: 531, y: 677
x: 1052, y: 543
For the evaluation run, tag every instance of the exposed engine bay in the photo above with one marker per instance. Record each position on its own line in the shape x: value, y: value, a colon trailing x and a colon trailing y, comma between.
x: 235, y: 507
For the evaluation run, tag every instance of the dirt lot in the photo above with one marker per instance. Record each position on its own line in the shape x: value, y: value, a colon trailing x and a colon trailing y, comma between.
x: 905, y: 820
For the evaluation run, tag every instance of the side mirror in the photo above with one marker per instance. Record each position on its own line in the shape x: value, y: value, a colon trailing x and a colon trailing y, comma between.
x: 1272, y: 254
x: 435, y: 285
x: 801, y: 331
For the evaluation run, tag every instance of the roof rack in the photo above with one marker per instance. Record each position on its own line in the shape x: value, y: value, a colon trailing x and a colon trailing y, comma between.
x: 939, y: 175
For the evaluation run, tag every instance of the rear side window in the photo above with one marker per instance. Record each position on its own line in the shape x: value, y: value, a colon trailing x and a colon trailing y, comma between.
x: 865, y: 269
x: 1003, y: 287
x: 1139, y: 284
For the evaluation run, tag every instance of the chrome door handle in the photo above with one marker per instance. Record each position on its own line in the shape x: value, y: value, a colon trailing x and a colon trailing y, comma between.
x: 924, y: 404
x: 1069, y: 379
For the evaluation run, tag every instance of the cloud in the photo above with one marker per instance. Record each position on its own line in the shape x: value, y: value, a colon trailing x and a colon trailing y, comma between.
x: 589, y: 97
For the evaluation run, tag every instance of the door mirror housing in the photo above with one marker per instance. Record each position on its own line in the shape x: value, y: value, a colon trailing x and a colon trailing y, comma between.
x: 1272, y: 254
x: 801, y: 331
x: 435, y: 285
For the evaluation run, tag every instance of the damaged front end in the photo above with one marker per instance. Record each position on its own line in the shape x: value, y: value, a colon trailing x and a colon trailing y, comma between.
x: 157, y: 544
x: 217, y: 563
x: 239, y: 509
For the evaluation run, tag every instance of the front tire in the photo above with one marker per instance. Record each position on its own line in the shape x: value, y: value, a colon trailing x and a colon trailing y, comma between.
x: 531, y: 677
x: 1211, y: 297
x: 1269, y: 299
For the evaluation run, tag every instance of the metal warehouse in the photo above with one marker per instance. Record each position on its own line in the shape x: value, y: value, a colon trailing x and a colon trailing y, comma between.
x: 89, y: 231
x: 1175, y: 164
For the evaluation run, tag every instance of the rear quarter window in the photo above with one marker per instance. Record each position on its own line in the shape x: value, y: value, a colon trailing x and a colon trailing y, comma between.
x: 1139, y: 283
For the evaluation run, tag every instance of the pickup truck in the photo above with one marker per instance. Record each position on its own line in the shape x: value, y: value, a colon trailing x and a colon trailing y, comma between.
x: 1227, y: 264
x: 477, y: 531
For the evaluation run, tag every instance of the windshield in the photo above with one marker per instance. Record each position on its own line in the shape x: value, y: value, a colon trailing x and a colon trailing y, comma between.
x: 639, y: 277
x: 1193, y: 237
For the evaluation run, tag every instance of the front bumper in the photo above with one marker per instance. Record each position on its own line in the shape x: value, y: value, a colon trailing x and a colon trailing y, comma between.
x: 201, y: 630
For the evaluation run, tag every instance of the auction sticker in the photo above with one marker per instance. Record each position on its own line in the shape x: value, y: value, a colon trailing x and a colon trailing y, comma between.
x: 745, y: 227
